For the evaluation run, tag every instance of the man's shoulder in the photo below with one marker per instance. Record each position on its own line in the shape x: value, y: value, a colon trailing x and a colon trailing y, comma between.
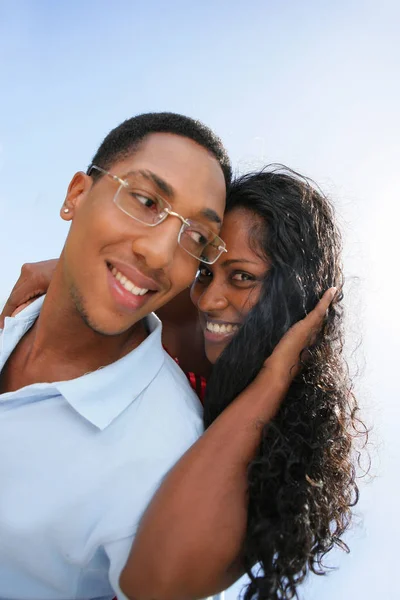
x: 171, y: 371
x: 175, y: 385
x: 170, y: 398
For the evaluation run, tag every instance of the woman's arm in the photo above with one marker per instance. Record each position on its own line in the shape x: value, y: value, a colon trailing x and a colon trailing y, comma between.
x: 189, y: 540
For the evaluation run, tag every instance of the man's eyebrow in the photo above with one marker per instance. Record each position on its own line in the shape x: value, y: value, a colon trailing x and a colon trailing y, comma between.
x: 159, y: 182
x: 168, y: 191
x: 211, y: 215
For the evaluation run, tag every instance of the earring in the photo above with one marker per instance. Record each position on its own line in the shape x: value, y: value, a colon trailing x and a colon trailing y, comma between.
x: 66, y: 210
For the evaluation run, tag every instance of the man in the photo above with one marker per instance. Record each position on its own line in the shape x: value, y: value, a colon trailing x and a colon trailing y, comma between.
x: 93, y: 412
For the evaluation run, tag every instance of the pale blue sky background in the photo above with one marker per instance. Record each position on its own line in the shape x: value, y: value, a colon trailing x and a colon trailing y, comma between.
x: 309, y: 83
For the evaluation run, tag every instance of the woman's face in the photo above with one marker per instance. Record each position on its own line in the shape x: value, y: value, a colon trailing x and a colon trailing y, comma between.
x: 226, y: 291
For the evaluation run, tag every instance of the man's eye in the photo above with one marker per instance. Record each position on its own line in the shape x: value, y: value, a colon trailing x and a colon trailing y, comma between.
x: 197, y: 236
x: 145, y: 200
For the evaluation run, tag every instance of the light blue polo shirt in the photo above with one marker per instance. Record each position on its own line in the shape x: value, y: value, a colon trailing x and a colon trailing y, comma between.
x: 79, y: 462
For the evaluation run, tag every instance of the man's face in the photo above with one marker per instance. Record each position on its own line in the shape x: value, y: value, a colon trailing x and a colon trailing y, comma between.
x: 107, y: 251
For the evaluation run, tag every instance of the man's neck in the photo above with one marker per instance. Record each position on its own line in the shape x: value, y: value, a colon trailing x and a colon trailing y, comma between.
x: 61, y: 346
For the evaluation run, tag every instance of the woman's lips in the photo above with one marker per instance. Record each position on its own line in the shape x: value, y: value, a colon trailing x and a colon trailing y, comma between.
x: 218, y: 331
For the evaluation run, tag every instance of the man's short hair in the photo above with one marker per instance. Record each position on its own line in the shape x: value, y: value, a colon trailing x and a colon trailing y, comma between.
x: 126, y: 138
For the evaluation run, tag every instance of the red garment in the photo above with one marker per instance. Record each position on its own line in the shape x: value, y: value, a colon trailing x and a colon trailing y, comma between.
x: 198, y: 383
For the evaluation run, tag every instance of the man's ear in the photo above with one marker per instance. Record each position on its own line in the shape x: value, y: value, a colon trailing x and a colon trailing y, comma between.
x: 78, y: 188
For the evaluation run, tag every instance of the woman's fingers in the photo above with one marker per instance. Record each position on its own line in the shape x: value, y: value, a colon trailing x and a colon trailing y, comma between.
x: 284, y: 362
x: 316, y: 316
x: 33, y: 282
x: 21, y: 295
x: 24, y: 305
x: 312, y: 323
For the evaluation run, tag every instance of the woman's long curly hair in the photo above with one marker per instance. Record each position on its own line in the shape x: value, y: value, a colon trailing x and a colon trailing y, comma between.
x: 302, y: 484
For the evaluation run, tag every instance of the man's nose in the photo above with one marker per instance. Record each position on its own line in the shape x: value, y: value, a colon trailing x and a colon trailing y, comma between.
x: 158, y: 244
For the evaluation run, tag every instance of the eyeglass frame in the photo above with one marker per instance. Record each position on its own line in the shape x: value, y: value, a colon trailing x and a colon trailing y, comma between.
x: 168, y: 212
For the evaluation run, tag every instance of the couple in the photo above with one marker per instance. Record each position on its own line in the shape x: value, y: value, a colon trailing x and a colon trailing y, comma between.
x: 110, y: 487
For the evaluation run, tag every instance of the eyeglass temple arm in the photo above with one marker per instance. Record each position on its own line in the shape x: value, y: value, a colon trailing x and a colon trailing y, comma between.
x: 115, y: 177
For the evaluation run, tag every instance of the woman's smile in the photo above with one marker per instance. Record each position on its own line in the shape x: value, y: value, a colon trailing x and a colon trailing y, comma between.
x: 217, y: 331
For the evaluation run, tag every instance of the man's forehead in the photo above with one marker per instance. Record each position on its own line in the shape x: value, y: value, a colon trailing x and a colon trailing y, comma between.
x: 156, y: 147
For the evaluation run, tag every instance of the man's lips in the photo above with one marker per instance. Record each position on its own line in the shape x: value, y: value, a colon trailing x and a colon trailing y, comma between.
x: 130, y: 299
x: 133, y: 274
x: 130, y: 288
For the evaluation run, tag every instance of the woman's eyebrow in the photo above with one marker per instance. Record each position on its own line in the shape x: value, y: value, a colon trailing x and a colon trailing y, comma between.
x: 231, y: 261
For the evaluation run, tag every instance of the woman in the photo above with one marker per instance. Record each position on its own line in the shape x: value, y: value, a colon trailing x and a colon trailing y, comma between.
x: 276, y: 467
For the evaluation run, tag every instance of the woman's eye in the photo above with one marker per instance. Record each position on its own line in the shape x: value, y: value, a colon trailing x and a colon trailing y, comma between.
x: 203, y: 272
x: 243, y: 277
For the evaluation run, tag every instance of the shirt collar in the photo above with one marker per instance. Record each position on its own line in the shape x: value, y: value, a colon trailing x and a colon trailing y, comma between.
x: 100, y: 396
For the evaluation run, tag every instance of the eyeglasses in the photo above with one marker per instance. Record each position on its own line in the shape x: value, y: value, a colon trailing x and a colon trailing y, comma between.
x: 135, y: 198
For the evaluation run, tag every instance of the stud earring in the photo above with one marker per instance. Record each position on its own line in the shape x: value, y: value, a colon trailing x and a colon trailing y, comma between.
x: 66, y: 210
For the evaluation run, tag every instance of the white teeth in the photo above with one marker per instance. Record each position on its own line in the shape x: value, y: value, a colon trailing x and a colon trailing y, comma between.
x: 222, y: 329
x: 127, y: 284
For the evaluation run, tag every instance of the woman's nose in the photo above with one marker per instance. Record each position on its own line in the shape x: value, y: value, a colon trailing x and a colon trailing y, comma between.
x: 213, y: 298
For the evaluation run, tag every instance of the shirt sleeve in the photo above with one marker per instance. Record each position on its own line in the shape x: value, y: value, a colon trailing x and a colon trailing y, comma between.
x: 117, y: 553
x: 132, y: 495
x: 165, y: 428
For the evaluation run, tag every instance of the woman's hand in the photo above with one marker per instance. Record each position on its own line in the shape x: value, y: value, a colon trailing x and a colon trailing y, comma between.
x: 33, y: 282
x: 286, y: 360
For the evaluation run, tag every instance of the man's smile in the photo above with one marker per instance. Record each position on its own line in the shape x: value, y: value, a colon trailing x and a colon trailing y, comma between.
x: 130, y: 288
